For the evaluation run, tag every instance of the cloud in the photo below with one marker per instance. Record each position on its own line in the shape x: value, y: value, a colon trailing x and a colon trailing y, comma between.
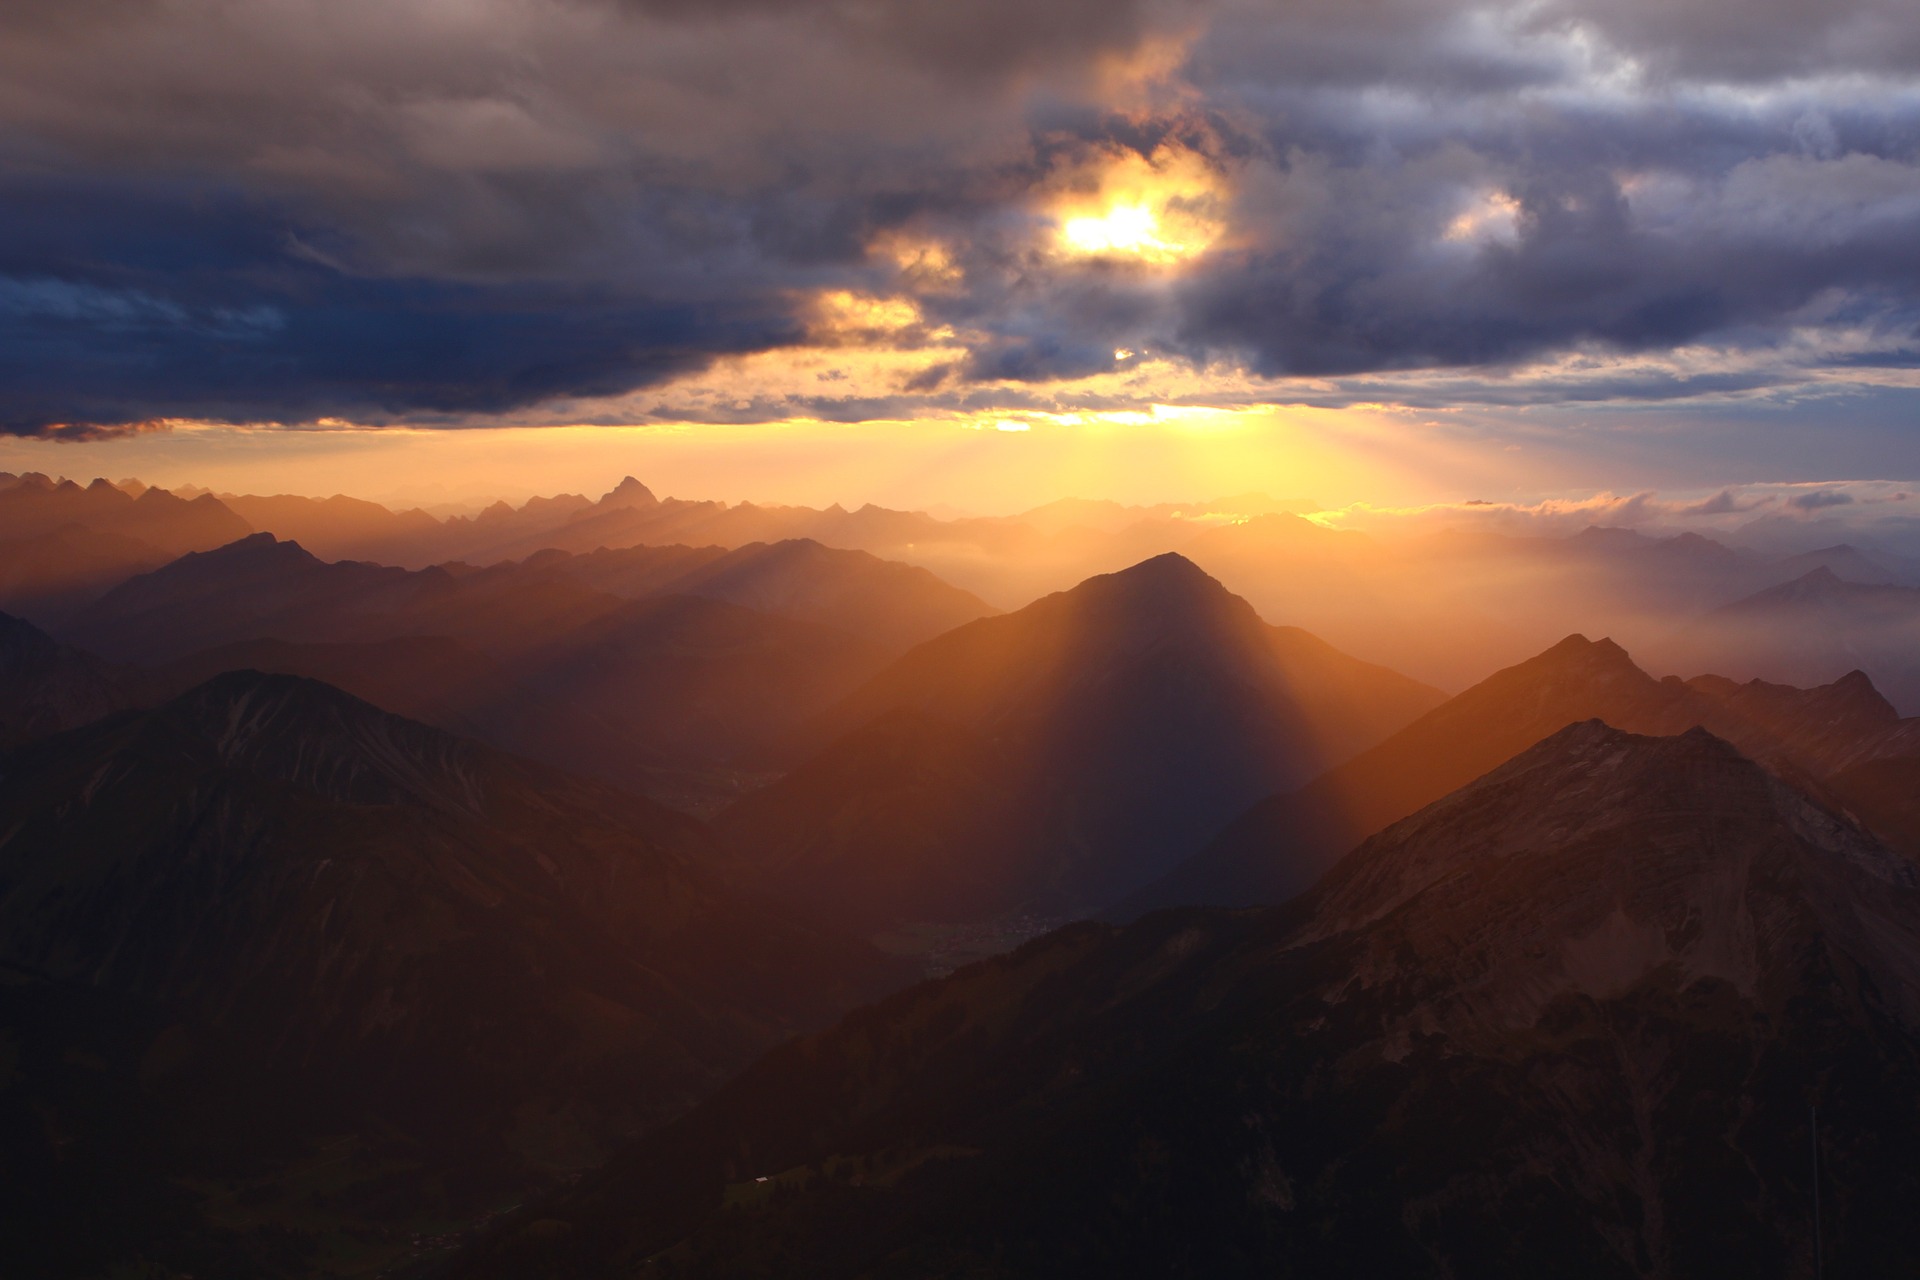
x: 1820, y: 500
x: 450, y: 213
x: 1726, y: 513
x: 1723, y: 503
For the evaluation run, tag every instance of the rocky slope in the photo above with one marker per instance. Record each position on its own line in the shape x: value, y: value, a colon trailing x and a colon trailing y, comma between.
x: 1570, y: 1020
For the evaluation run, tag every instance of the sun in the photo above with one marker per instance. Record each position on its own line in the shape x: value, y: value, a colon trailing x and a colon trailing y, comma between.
x: 1123, y: 229
x: 1158, y: 211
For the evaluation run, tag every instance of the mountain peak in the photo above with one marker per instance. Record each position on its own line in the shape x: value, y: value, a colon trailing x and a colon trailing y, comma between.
x: 630, y: 493
x: 256, y: 548
x: 1156, y: 599
x: 1169, y: 571
x: 311, y: 734
x: 1581, y: 787
x: 1576, y: 651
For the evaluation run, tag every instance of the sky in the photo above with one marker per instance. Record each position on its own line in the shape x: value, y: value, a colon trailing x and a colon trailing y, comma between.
x: 915, y: 252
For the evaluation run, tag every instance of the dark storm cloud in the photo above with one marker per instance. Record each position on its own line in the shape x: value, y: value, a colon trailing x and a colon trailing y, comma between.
x: 982, y: 37
x: 293, y: 210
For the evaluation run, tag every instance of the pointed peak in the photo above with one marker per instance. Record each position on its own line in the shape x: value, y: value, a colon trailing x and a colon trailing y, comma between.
x: 1578, y: 646
x: 630, y: 493
x: 1167, y: 587
x: 260, y: 548
x: 1577, y: 653
x: 1169, y: 566
x: 1855, y: 681
x: 1856, y: 688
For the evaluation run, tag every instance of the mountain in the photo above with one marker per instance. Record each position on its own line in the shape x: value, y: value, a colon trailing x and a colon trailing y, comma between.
x: 1570, y: 1021
x: 335, y: 528
x: 1280, y: 846
x: 1106, y: 731
x: 62, y: 545
x: 1850, y: 564
x: 699, y: 680
x: 350, y: 927
x: 892, y: 605
x: 1812, y: 729
x: 1811, y: 629
x: 46, y: 687
x: 449, y: 685
x: 32, y: 506
x: 261, y: 587
x: 542, y: 662
x: 908, y: 818
x: 1878, y: 781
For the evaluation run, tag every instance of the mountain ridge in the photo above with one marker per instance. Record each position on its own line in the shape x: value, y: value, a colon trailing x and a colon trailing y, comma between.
x: 1490, y: 1043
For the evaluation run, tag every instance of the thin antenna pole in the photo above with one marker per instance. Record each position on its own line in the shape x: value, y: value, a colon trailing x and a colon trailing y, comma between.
x: 1819, y: 1263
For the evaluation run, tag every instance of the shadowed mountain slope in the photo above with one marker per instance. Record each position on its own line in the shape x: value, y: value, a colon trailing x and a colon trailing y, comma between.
x: 1567, y: 1021
x: 1106, y: 731
x: 448, y: 685
x: 386, y: 929
x: 46, y: 687
x: 891, y: 605
x: 895, y: 606
x: 1284, y: 843
x: 584, y: 678
x: 697, y: 679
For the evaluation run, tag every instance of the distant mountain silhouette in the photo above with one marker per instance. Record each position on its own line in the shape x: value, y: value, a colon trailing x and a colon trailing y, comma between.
x: 335, y: 528
x: 32, y: 505
x: 1569, y: 1020
x: 261, y: 587
x: 1811, y: 629
x: 892, y: 605
x: 62, y: 545
x: 383, y: 929
x: 1283, y: 844
x: 1058, y: 756
x: 585, y: 678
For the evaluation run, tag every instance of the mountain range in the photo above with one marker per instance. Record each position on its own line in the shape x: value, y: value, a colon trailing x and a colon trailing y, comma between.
x: 1280, y: 846
x: 1572, y: 1019
x: 1446, y: 607
x: 1812, y: 627
x: 467, y: 881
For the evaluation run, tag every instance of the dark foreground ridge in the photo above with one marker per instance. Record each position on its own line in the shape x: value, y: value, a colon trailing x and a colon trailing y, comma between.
x: 268, y: 929
x: 1567, y: 1021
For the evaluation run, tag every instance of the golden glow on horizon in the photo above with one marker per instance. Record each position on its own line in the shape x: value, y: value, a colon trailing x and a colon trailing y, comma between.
x: 995, y: 463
